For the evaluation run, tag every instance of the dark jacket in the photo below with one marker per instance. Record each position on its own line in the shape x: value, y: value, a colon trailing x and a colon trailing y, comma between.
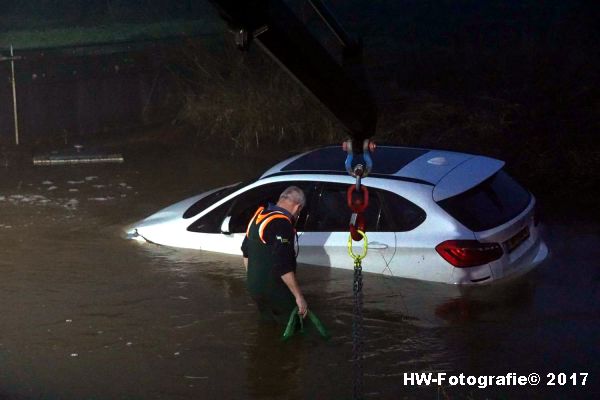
x: 269, y: 247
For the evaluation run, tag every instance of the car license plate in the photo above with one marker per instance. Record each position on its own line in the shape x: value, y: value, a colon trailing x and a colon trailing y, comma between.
x: 517, y: 239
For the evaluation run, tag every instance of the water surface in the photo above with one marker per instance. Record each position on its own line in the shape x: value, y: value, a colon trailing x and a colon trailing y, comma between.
x: 86, y: 314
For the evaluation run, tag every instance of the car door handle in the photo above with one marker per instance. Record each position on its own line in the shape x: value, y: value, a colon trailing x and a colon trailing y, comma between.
x: 377, y: 245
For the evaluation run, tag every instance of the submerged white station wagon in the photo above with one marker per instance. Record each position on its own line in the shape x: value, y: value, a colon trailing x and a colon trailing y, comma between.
x: 433, y: 215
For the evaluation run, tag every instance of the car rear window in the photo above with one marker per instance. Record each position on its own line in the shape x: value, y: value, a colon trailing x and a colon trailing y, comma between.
x: 493, y: 202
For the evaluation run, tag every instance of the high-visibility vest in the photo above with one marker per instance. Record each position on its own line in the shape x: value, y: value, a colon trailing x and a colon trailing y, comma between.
x: 261, y: 278
x: 261, y: 220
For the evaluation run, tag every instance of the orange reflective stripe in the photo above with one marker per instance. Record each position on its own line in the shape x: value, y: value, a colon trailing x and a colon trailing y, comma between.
x: 260, y: 209
x: 264, y: 224
x: 263, y: 216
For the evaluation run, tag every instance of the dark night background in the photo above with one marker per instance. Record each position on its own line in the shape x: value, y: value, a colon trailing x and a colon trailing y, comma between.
x: 517, y: 80
x: 161, y: 82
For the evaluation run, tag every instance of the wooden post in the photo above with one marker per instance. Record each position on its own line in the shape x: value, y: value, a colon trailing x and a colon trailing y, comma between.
x: 14, y: 94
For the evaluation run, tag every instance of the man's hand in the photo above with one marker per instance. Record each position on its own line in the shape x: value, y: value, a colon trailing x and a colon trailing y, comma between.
x: 302, y: 306
x: 290, y: 280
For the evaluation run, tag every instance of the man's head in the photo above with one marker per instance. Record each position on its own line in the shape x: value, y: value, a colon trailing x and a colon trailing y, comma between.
x: 293, y: 200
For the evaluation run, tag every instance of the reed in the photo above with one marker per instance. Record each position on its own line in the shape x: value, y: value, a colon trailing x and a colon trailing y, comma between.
x: 245, y: 101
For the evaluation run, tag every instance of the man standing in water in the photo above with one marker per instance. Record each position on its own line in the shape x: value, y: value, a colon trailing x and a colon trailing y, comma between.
x: 270, y: 260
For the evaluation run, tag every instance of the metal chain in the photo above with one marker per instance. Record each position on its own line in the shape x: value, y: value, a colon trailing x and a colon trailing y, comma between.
x: 357, y: 228
x: 357, y: 332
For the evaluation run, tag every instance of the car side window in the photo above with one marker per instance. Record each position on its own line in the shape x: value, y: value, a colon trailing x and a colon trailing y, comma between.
x: 326, y: 210
x: 246, y: 204
x: 211, y: 222
x: 404, y: 215
x: 330, y: 212
x: 209, y: 200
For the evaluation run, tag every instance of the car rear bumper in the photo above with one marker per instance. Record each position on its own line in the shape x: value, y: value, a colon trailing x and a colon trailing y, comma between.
x: 487, y: 274
x: 540, y: 255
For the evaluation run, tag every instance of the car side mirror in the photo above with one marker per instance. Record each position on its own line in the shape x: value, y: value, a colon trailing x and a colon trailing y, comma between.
x: 225, y: 225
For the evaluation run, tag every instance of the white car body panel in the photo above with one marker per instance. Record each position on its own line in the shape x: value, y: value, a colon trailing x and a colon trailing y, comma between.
x: 409, y: 254
x: 526, y: 255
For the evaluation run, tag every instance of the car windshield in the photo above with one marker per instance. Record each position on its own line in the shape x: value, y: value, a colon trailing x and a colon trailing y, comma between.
x: 212, y: 198
x: 492, y: 203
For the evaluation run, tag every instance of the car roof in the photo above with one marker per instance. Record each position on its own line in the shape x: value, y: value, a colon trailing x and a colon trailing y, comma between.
x: 394, y: 162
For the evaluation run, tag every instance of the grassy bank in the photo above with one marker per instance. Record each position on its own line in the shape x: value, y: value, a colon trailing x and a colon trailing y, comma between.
x: 246, y: 103
x: 558, y: 161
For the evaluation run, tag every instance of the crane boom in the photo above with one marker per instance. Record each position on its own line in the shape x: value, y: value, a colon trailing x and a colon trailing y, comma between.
x: 341, y: 87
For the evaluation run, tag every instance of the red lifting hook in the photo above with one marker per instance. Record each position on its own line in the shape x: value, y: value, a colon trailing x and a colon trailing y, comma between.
x: 356, y: 203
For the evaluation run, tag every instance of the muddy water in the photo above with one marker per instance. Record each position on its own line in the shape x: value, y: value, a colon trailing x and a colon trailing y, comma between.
x: 86, y: 314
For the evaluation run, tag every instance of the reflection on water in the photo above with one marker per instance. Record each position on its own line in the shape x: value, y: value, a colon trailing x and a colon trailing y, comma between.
x: 87, y: 314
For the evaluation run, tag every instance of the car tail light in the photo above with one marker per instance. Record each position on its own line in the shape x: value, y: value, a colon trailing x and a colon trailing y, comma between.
x: 469, y: 253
